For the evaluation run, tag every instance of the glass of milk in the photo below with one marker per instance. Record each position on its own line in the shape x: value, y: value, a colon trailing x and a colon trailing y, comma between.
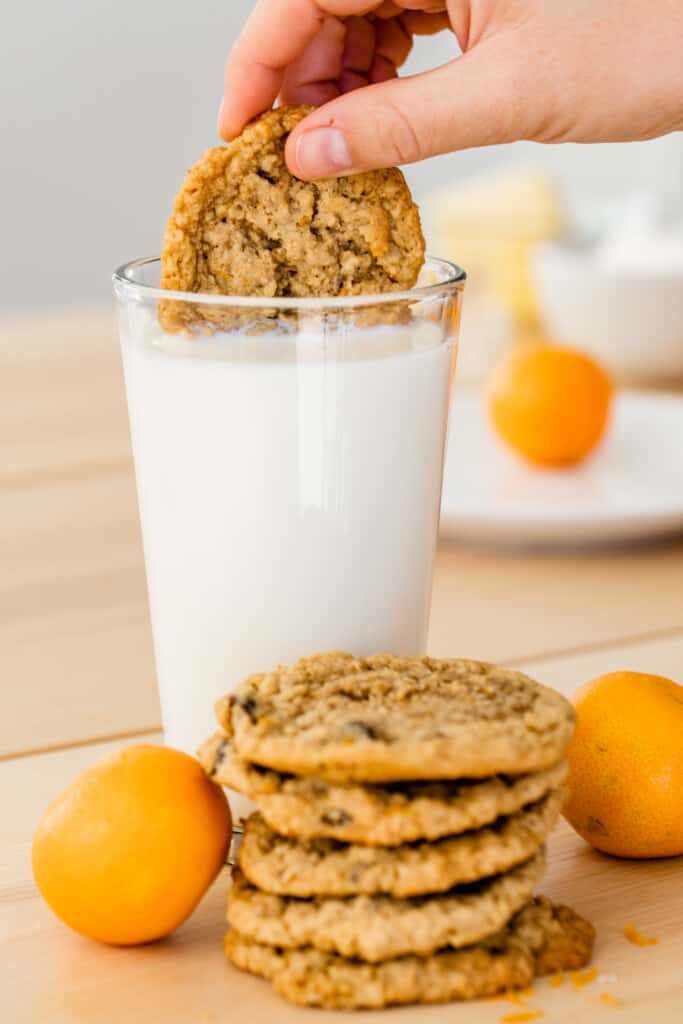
x: 288, y: 456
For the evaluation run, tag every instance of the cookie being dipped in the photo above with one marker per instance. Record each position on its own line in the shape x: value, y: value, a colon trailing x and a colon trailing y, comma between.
x: 243, y: 225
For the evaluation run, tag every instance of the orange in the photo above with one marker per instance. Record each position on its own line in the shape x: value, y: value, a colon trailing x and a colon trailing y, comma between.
x: 550, y: 404
x: 127, y: 850
x: 626, y: 765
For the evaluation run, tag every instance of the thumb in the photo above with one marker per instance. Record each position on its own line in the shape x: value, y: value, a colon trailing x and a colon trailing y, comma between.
x: 475, y: 100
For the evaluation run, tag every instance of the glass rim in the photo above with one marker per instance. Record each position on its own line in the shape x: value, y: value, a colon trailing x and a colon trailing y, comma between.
x: 454, y: 280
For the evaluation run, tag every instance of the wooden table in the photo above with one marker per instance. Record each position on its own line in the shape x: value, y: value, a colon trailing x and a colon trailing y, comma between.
x: 77, y: 678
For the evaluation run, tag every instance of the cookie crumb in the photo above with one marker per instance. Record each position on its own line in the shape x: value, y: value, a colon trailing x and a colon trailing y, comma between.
x: 637, y: 938
x: 555, y: 980
x: 607, y: 999
x: 522, y: 1018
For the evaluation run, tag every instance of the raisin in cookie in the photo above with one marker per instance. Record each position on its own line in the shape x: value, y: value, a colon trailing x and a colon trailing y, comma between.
x: 386, y: 718
x: 243, y: 225
x: 541, y: 938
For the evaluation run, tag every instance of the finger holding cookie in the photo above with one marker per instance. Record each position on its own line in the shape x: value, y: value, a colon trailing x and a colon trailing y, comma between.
x: 330, y: 47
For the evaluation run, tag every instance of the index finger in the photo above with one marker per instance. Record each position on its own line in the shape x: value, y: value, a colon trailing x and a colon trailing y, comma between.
x: 276, y: 33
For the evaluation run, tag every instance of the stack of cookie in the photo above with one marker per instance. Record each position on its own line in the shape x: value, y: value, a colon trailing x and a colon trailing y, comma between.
x: 403, y: 806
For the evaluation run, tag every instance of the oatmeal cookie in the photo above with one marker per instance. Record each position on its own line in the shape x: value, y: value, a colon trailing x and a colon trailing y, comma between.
x: 542, y: 937
x: 307, y: 807
x: 389, y: 719
x: 380, y: 927
x: 326, y: 867
x: 243, y: 225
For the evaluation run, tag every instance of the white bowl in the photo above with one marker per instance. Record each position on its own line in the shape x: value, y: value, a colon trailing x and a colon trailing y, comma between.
x: 630, y: 319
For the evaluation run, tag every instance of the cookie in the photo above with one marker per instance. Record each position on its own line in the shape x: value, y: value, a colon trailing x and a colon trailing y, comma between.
x: 386, y: 718
x: 380, y: 927
x: 308, y: 807
x: 312, y: 978
x: 243, y: 225
x: 558, y: 937
x: 326, y: 867
x: 542, y: 937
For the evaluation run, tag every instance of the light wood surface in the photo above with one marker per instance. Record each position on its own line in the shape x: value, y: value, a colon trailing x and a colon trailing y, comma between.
x: 77, y: 672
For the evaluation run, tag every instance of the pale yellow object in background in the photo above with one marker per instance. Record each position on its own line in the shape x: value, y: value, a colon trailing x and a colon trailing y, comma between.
x: 490, y: 225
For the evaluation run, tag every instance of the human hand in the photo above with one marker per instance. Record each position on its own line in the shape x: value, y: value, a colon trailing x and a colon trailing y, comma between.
x: 555, y: 71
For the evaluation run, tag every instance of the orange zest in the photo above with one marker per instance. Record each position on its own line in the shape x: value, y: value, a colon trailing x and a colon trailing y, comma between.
x: 607, y: 999
x: 521, y: 1018
x: 637, y: 938
x: 582, y: 978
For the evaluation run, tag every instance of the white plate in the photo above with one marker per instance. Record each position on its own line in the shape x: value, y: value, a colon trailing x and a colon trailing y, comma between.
x: 631, y: 489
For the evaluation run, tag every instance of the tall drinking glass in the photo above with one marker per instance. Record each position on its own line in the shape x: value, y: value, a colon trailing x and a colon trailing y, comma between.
x: 288, y: 456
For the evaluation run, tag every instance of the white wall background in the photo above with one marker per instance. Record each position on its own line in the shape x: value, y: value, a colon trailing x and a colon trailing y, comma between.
x: 104, y: 105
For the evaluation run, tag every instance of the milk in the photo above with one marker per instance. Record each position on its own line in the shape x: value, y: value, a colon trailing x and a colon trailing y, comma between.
x: 289, y: 491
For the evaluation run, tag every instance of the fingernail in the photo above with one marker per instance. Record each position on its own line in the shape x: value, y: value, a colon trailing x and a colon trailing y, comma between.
x: 322, y: 153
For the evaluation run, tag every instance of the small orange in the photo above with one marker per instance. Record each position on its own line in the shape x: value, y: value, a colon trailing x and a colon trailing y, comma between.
x: 128, y: 849
x: 626, y: 765
x: 550, y: 404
